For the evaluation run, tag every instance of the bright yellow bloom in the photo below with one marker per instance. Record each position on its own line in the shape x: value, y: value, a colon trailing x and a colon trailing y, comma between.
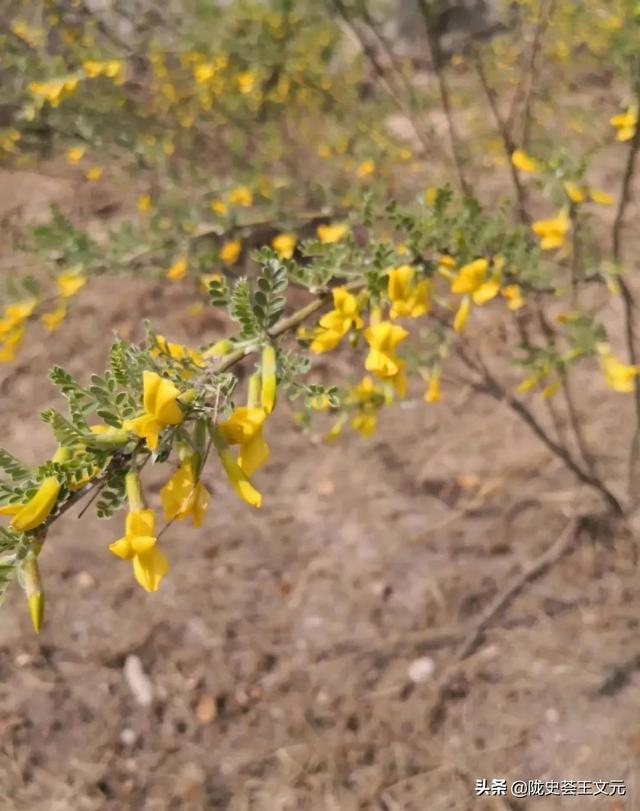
x: 241, y: 196
x: 574, y: 192
x: 111, y: 68
x: 268, y: 383
x: 52, y: 320
x: 366, y: 168
x: 230, y: 251
x: 176, y: 351
x: 246, y: 81
x: 139, y: 545
x: 407, y: 298
x: 513, y: 295
x: 184, y: 495
x: 528, y: 383
x: 625, y: 124
x: 524, y: 162
x: 94, y: 173
x: 383, y: 338
x: 55, y: 90
x: 70, y: 283
x: 553, y: 231
x: 462, y: 314
x: 75, y: 154
x: 365, y: 423
x: 550, y: 389
x: 160, y: 399
x: 619, y: 376
x: 335, y: 324
x: 238, y: 479
x: 430, y: 195
x: 36, y: 511
x: 433, y: 393
x: 601, y: 197
x: 284, y: 245
x: 144, y: 202
x: 470, y: 277
x: 244, y: 428
x: 332, y: 233
x: 16, y: 314
x: 178, y: 269
x: 219, y: 207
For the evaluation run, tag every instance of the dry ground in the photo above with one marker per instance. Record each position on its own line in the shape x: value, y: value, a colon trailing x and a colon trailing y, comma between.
x: 277, y: 653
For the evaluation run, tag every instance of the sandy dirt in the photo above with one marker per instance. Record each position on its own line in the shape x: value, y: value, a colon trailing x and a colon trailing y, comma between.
x: 276, y: 668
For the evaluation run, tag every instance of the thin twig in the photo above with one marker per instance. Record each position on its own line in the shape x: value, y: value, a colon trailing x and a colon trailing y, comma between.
x: 625, y: 291
x: 490, y: 386
x: 378, y: 68
x: 558, y: 549
x: 505, y: 135
x: 528, y: 76
x: 435, y: 56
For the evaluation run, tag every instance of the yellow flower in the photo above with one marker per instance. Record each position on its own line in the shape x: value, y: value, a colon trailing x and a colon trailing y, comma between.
x: 574, y: 192
x: 550, y: 389
x: 513, y: 295
x: 625, y: 124
x: 601, y: 197
x: 177, y: 270
x: 204, y: 72
x: 161, y: 408
x: 335, y: 324
x: 70, y: 283
x: 383, y: 339
x: 36, y: 511
x: 16, y: 314
x: 139, y: 545
x: 75, y: 154
x: 553, y: 231
x: 10, y: 344
x: 238, y: 477
x: 94, y: 173
x: 619, y: 376
x: 462, y: 315
x: 111, y: 68
x: 528, y: 383
x: 230, y: 251
x: 407, y: 298
x: 284, y: 245
x: 246, y: 81
x: 524, y: 162
x: 219, y: 207
x: 332, y: 233
x: 54, y: 90
x: 470, y: 277
x: 433, y: 393
x: 176, y: 351
x: 144, y: 202
x: 366, y: 168
x: 365, y: 423
x: 244, y: 428
x: 431, y: 195
x: 185, y: 495
x: 241, y: 196
x: 52, y: 320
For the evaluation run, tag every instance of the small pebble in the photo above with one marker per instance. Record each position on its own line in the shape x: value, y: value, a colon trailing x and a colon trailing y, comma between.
x: 421, y: 669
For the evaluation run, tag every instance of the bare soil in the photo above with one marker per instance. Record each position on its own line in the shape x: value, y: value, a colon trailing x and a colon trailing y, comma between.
x: 276, y: 657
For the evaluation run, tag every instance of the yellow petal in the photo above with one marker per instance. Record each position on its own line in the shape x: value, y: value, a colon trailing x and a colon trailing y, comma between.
x: 38, y: 509
x: 149, y: 568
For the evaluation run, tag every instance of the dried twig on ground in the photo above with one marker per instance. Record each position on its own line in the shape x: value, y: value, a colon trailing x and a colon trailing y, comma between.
x: 495, y: 609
